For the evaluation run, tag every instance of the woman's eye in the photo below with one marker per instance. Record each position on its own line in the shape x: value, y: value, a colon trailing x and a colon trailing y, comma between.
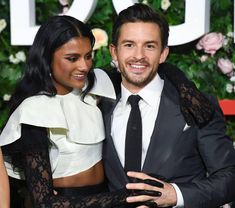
x: 72, y: 59
x: 88, y: 57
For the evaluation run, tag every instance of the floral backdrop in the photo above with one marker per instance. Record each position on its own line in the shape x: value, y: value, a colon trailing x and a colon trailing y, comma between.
x: 209, y: 61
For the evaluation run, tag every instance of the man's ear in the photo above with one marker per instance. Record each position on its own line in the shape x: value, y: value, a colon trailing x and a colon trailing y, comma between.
x: 113, y: 51
x: 164, y: 55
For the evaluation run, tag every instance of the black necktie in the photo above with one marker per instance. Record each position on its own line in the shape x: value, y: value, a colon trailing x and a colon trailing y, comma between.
x: 133, y: 146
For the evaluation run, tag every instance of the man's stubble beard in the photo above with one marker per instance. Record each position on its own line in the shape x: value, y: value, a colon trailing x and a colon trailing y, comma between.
x: 140, y: 83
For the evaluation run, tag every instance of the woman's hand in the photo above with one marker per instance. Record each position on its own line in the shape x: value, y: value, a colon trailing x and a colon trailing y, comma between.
x: 151, y: 191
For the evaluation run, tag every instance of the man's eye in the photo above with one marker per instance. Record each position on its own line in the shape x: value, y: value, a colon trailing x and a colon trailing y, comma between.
x: 150, y: 46
x: 128, y: 45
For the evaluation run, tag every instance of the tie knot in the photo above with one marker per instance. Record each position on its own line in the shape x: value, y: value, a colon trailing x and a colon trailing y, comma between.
x: 134, y: 100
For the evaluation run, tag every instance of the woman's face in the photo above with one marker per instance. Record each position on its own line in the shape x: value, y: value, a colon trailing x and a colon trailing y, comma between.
x: 71, y: 64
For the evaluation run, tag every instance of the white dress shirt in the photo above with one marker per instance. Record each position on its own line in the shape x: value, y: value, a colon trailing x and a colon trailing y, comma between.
x: 149, y: 105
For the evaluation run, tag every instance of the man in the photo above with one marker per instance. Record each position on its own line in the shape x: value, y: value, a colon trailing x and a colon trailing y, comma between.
x: 193, y: 162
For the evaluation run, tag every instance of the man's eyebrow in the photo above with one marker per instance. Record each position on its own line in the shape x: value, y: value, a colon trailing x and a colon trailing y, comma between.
x: 147, y: 42
x: 152, y: 41
x: 127, y: 41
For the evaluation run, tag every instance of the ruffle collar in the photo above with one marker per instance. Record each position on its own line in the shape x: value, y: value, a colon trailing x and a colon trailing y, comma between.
x: 81, y: 120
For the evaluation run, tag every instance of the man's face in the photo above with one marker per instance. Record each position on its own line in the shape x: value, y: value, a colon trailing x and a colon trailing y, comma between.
x: 138, y: 52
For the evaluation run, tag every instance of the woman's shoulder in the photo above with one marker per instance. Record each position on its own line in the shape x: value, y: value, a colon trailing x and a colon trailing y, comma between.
x: 40, y: 111
x: 38, y: 108
x: 36, y: 100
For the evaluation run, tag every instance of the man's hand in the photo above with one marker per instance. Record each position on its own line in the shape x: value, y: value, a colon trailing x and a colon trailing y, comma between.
x: 165, y: 196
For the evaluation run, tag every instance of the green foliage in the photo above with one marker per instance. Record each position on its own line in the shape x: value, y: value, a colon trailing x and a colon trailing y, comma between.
x: 45, y: 9
x: 206, y: 75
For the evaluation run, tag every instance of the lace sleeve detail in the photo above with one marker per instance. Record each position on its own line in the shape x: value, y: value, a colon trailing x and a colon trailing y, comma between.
x: 38, y: 176
x: 195, y: 107
x: 39, y: 181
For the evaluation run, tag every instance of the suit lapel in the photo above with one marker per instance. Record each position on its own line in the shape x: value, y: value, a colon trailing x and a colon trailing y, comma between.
x: 114, y: 162
x: 169, y: 124
x: 107, y: 108
x: 109, y: 147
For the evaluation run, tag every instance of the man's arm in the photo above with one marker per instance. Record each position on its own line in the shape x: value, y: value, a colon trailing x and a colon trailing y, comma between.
x: 218, y: 155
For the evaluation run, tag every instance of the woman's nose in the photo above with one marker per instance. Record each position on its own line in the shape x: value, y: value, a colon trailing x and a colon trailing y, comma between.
x: 83, y: 65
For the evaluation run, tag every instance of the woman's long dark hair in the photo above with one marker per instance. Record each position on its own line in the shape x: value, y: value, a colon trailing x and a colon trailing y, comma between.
x: 54, y: 33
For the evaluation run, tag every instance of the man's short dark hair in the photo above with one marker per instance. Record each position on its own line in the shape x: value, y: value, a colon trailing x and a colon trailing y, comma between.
x: 141, y: 13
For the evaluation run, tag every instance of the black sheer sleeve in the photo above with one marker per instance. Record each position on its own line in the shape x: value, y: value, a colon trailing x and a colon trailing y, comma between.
x: 195, y: 107
x: 38, y: 176
x: 39, y: 183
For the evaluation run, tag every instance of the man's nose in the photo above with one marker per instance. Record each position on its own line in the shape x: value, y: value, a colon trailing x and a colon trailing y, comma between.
x: 139, y: 53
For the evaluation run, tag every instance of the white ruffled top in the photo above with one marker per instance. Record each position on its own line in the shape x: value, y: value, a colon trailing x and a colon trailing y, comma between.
x: 75, y: 128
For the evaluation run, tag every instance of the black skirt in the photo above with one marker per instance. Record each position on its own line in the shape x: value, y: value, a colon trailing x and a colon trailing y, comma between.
x: 20, y: 197
x: 82, y: 191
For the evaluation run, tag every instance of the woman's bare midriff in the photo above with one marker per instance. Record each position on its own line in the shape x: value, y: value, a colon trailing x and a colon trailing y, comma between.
x: 92, y: 176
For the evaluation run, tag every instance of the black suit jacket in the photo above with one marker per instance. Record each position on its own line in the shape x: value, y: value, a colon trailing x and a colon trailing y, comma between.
x: 201, y: 161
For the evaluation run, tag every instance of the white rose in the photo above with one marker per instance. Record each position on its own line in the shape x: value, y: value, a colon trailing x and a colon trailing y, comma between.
x: 6, y: 97
x: 229, y: 88
x: 13, y: 60
x: 3, y: 24
x: 65, y: 10
x: 232, y: 79
x: 230, y: 34
x: 21, y: 56
x: 101, y: 38
x: 226, y: 41
x: 203, y: 58
x: 145, y: 2
x: 165, y: 4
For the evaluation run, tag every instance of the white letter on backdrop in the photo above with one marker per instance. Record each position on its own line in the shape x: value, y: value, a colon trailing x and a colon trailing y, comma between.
x: 197, y: 23
x: 82, y: 9
x: 197, y: 17
x: 120, y: 5
x: 23, y: 29
x: 22, y: 14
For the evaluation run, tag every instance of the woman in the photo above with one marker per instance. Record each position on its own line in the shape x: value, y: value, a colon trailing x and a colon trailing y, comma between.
x: 55, y: 131
x: 4, y: 185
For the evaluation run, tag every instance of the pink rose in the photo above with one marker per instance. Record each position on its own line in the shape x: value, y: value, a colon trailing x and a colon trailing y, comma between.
x: 211, y: 42
x: 225, y: 66
x: 101, y: 38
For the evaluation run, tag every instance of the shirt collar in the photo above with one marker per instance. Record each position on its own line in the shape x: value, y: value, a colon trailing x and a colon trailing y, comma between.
x: 149, y: 93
